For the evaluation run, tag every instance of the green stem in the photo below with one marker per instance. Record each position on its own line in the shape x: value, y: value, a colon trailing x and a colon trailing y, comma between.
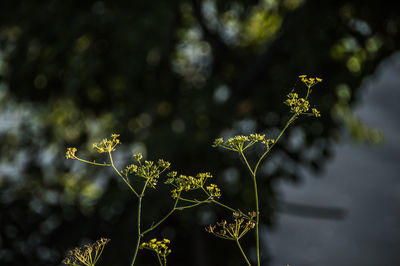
x: 241, y: 250
x: 257, y: 219
x: 308, y: 92
x: 247, y: 163
x: 188, y: 206
x: 138, y: 222
x: 89, y: 162
x: 98, y: 255
x: 175, y: 208
x: 163, y: 219
x: 227, y: 207
x: 192, y: 201
x: 221, y: 204
x: 116, y: 170
x: 253, y: 174
x: 273, y: 144
x: 159, y: 259
x: 138, y: 229
x: 136, y: 250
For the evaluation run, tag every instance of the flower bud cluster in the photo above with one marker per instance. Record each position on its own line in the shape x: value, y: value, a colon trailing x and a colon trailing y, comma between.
x: 158, y: 246
x: 86, y: 255
x: 107, y: 145
x: 235, y: 230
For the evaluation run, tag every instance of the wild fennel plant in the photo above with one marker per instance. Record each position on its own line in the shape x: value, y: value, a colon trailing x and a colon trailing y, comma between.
x: 298, y: 106
x: 181, y: 186
x: 150, y: 173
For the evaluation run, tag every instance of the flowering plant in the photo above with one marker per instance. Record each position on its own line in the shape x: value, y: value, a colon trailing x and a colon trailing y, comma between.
x: 150, y: 172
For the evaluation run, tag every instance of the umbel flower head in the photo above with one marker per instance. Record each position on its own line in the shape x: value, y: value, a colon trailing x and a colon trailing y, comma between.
x: 186, y: 183
x: 160, y: 247
x: 234, y: 230
x: 70, y: 154
x: 241, y: 143
x: 309, y: 82
x: 299, y: 105
x: 87, y: 255
x: 148, y: 170
x: 107, y: 145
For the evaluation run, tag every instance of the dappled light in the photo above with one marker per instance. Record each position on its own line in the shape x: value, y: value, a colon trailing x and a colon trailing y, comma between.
x: 170, y: 77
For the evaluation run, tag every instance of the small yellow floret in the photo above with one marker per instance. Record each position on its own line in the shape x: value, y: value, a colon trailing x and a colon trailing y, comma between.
x: 70, y: 154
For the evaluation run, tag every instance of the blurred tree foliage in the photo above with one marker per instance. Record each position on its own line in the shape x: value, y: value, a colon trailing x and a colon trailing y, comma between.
x: 169, y: 76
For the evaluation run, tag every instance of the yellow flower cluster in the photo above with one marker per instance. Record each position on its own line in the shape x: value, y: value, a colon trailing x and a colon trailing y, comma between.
x: 268, y: 142
x: 315, y: 112
x: 186, y: 183
x: 235, y: 230
x: 107, y: 145
x: 87, y: 255
x: 241, y: 143
x: 214, y: 191
x: 137, y: 157
x: 309, y: 81
x: 71, y: 153
x: 256, y: 137
x: 217, y: 142
x: 130, y: 169
x: 148, y: 170
x: 158, y: 246
x: 237, y: 142
x: 300, y: 106
x: 297, y: 105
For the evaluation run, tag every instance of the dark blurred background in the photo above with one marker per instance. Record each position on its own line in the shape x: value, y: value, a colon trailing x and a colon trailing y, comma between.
x: 171, y: 76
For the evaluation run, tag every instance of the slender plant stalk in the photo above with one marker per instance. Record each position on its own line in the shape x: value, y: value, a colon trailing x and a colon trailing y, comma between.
x: 139, y: 233
x: 223, y: 205
x: 197, y: 202
x: 273, y: 144
x: 116, y: 170
x: 159, y: 259
x: 241, y: 250
x: 136, y: 250
x: 188, y: 206
x: 163, y: 219
x: 257, y: 219
x: 257, y: 205
x: 211, y: 199
x: 254, y: 174
x: 192, y: 201
x: 138, y: 229
x: 98, y: 255
x: 89, y: 162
